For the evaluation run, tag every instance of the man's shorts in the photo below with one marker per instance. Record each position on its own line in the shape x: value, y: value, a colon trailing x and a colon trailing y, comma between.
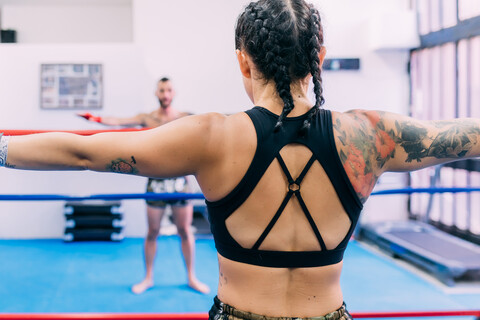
x: 168, y: 186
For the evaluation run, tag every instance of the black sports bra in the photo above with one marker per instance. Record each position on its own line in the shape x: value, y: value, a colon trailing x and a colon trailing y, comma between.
x: 320, y: 140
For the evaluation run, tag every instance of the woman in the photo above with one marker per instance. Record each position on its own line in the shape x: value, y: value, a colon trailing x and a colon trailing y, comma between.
x: 285, y: 181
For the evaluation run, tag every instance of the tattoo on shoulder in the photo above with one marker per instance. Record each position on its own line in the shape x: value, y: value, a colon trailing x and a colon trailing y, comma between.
x: 362, y: 150
x: 123, y: 166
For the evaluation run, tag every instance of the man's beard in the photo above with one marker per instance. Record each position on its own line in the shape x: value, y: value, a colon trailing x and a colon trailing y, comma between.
x: 163, y: 105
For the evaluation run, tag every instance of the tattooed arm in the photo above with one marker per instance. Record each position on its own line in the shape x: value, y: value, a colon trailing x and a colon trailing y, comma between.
x: 178, y: 148
x: 420, y: 144
x: 372, y: 142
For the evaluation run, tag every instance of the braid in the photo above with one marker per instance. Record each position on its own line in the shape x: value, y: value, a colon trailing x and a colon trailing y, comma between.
x: 313, y: 49
x: 282, y: 82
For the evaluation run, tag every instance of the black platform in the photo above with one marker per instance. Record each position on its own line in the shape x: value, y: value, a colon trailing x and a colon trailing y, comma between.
x: 447, y: 257
x: 93, y: 220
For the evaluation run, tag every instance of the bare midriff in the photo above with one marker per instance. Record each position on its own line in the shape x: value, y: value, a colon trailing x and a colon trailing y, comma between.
x: 280, y: 292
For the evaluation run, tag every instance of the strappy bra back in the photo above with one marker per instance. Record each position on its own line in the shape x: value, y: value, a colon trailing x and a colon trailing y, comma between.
x: 270, y: 153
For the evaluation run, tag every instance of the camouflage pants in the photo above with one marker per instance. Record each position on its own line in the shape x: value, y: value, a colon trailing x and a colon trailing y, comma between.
x: 222, y: 311
x: 179, y: 184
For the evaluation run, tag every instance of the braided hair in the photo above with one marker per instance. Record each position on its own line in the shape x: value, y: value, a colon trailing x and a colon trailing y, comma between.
x: 284, y: 38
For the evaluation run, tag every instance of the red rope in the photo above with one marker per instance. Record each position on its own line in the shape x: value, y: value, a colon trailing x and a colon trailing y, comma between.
x: 408, y: 314
x: 103, y: 316
x: 204, y: 316
x: 80, y: 132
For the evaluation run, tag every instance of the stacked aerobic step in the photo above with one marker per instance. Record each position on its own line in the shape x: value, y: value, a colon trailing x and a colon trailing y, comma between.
x: 94, y: 221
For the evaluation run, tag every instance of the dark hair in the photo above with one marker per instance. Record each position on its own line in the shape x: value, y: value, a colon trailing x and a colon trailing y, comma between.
x: 164, y: 79
x: 284, y: 38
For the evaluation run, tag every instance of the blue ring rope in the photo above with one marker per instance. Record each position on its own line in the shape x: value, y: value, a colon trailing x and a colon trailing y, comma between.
x: 118, y: 196
x: 186, y: 196
x: 426, y: 190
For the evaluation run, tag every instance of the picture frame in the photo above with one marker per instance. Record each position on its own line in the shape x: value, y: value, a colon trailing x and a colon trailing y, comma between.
x: 72, y: 86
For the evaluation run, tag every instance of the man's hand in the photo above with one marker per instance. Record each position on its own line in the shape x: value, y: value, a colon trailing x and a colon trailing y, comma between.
x: 90, y: 117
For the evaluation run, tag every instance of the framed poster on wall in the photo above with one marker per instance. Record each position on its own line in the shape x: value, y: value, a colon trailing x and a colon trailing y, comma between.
x: 71, y: 86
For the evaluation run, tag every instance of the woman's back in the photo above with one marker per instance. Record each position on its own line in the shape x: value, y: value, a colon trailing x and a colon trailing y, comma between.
x: 277, y: 291
x: 366, y: 144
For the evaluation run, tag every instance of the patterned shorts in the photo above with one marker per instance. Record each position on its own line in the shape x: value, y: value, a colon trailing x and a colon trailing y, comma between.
x: 222, y: 311
x: 168, y: 186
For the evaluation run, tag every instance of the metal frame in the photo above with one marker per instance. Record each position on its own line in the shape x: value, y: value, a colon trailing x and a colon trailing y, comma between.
x: 464, y: 29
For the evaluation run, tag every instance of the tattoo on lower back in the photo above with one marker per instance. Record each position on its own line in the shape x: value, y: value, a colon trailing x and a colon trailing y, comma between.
x: 122, y: 166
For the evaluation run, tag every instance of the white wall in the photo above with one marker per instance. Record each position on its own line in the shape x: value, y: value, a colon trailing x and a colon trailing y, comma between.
x: 68, y: 21
x: 193, y: 44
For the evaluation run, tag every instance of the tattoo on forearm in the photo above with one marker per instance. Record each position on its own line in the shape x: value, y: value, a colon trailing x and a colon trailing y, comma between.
x: 412, y: 139
x: 122, y: 166
x: 454, y: 140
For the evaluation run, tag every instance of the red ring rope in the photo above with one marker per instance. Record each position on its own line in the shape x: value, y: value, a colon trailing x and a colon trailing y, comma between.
x: 408, y: 314
x: 103, y: 316
x: 204, y: 316
x: 80, y: 132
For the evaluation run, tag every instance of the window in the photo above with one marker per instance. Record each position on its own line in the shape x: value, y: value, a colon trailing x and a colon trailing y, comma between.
x: 445, y: 83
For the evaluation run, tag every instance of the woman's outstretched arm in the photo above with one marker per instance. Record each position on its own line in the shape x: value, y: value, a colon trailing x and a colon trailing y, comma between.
x: 420, y: 144
x: 372, y: 142
x: 179, y: 148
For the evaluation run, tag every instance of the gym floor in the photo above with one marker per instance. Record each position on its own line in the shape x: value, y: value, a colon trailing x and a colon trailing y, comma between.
x: 42, y: 276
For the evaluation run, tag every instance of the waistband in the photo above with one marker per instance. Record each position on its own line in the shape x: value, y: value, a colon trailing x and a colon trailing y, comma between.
x: 222, y: 311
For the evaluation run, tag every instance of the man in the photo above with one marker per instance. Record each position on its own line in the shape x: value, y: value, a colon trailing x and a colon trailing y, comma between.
x: 182, y: 210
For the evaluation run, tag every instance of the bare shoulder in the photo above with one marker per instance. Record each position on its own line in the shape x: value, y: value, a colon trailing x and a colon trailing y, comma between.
x: 202, y: 128
x: 196, y: 140
x: 357, y: 124
x: 211, y: 126
x: 364, y: 144
x: 212, y: 120
x: 240, y: 127
x: 238, y: 118
x: 231, y: 134
x: 221, y: 121
x: 360, y: 116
